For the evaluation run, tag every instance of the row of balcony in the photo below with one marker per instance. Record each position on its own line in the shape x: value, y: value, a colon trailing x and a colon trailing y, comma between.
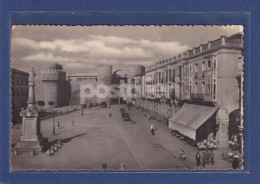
x: 200, y: 96
x: 234, y: 40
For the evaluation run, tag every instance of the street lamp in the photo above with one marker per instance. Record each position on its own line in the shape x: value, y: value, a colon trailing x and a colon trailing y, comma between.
x: 53, y: 124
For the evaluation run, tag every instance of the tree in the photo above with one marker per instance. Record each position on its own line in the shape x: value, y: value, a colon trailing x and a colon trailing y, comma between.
x: 51, y: 103
x: 41, y: 103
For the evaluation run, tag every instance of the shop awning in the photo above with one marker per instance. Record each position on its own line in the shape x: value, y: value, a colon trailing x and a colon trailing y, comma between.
x: 189, y: 118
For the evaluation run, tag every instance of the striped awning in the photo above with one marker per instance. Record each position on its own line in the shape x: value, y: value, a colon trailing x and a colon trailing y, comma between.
x: 189, y: 118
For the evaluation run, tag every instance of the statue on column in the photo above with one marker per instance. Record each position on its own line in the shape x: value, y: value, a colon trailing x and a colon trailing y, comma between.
x: 31, y: 139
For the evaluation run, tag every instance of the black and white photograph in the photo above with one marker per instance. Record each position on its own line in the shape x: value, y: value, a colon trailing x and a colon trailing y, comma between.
x: 127, y: 98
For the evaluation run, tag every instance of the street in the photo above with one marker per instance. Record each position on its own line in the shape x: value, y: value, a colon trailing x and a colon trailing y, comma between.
x: 95, y: 139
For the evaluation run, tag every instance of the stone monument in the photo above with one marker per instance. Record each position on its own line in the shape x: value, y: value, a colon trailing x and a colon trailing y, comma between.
x: 31, y: 139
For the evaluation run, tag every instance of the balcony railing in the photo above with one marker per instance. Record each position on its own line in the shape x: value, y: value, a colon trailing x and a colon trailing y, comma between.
x: 198, y: 96
x: 205, y: 97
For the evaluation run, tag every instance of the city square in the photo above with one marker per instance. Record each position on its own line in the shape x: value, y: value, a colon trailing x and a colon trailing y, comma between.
x: 96, y: 139
x: 115, y: 110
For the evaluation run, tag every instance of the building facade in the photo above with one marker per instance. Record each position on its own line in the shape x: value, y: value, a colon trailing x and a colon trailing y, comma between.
x: 19, y: 96
x: 207, y: 75
x: 76, y: 80
x: 105, y: 74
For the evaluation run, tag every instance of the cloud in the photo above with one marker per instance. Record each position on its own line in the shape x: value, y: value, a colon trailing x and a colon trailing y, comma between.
x: 25, y: 42
x: 96, y: 49
x: 233, y: 29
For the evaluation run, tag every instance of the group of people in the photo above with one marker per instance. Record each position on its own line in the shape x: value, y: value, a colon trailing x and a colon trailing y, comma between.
x: 206, y: 158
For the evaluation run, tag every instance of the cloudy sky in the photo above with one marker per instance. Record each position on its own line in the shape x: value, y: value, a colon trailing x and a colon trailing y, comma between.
x: 80, y: 48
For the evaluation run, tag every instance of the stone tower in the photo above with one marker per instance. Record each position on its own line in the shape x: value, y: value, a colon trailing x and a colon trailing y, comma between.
x: 104, y: 77
x: 54, y: 86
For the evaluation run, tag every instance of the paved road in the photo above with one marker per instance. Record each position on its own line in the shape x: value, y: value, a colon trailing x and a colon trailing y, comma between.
x: 97, y: 139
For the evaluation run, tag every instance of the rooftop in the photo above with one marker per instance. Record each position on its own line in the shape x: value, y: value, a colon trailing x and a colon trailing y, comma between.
x: 232, y: 41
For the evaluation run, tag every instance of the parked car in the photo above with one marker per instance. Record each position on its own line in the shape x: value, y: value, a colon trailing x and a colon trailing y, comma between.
x: 174, y: 132
x: 103, y: 104
x: 233, y: 145
x: 90, y: 105
x: 126, y: 117
x: 183, y: 138
x: 229, y: 156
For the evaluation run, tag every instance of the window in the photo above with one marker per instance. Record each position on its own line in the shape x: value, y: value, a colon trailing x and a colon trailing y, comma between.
x: 166, y: 75
x: 180, y: 72
x: 203, y: 66
x: 209, y: 64
x: 215, y: 64
x: 170, y: 75
x: 173, y: 75
x: 162, y: 77
x: 203, y: 88
x: 196, y: 87
x: 196, y: 68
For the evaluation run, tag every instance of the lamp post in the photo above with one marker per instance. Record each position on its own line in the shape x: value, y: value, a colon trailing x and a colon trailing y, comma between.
x: 53, y: 125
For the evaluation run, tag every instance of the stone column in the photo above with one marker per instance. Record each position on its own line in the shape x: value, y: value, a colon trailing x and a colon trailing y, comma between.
x: 31, y: 139
x: 31, y: 96
x: 222, y: 120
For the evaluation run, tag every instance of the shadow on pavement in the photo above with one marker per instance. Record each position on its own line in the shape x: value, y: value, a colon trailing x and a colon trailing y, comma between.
x: 64, y: 132
x: 66, y: 140
x: 69, y: 139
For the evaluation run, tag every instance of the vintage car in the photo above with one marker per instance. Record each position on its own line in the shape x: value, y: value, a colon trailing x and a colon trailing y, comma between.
x: 233, y: 145
x: 126, y: 117
x: 183, y: 138
x: 229, y: 156
x: 103, y: 104
x: 174, y: 132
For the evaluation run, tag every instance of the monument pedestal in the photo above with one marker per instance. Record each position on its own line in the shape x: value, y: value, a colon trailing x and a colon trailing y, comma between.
x: 31, y: 139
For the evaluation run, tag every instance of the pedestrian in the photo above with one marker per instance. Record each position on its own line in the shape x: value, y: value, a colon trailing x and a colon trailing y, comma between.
x: 203, y: 159
x: 235, y: 163
x: 212, y: 157
x: 152, y: 129
x: 148, y: 116
x: 197, y: 156
x: 207, y: 155
x: 58, y: 124
x: 183, y: 155
x: 180, y: 154
x: 72, y: 123
x: 110, y: 115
